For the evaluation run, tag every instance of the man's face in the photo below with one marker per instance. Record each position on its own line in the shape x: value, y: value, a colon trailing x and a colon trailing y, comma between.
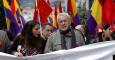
x: 47, y: 31
x: 64, y: 23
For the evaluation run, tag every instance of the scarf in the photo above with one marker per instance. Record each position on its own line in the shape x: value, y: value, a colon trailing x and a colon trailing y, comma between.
x: 73, y: 39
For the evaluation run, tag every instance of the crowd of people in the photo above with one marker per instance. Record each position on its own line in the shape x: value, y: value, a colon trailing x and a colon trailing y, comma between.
x: 35, y: 39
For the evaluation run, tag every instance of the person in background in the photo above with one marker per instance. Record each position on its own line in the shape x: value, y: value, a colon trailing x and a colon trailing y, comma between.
x: 4, y: 42
x: 32, y: 43
x: 11, y: 40
x: 17, y: 42
x: 106, y: 36
x: 65, y: 37
x: 47, y: 29
x: 82, y: 30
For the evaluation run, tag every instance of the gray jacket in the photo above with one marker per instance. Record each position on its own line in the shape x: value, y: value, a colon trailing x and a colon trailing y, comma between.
x: 54, y: 41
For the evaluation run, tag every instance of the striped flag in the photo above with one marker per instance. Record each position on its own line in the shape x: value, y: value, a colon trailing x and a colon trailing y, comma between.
x: 55, y: 17
x: 95, y: 17
x: 13, y: 18
x: 72, y: 10
x: 10, y: 19
x: 18, y: 14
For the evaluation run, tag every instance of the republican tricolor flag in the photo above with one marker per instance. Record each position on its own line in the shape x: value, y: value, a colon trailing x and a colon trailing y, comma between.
x: 72, y: 10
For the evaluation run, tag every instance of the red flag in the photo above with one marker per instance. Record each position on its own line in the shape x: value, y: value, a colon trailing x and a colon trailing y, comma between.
x: 107, y: 13
x: 35, y: 15
x: 44, y: 10
x: 113, y: 16
x: 113, y: 10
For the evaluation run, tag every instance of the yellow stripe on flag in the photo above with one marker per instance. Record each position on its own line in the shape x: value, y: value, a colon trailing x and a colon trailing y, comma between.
x: 6, y: 4
x: 97, y: 11
x: 74, y: 7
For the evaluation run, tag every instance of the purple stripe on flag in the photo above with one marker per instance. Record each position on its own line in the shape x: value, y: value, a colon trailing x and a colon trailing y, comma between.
x: 76, y: 20
x: 20, y: 19
x: 14, y: 26
x: 23, y: 21
x: 91, y: 27
x: 51, y: 22
x: 9, y: 15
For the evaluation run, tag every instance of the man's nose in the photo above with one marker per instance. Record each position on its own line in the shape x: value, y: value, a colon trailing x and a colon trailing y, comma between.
x: 63, y: 22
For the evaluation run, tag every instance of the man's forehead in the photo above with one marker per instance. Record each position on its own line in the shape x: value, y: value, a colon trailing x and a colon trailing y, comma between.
x: 62, y: 18
x: 48, y: 27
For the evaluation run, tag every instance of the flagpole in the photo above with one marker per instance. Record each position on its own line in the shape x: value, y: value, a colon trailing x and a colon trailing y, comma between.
x: 40, y: 25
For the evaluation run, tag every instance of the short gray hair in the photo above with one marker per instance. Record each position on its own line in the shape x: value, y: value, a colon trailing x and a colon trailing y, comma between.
x: 64, y: 15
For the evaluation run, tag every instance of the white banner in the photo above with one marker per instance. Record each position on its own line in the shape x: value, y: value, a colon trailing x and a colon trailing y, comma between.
x: 96, y: 51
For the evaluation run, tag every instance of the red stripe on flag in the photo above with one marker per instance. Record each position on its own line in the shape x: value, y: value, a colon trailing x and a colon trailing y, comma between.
x: 13, y: 7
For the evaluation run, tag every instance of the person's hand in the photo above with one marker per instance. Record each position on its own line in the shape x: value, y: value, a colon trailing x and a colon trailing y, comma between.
x: 18, y: 54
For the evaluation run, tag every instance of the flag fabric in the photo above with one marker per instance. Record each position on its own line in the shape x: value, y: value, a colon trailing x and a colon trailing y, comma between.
x: 7, y: 7
x: 95, y: 17
x: 13, y: 8
x: 21, y: 21
x: 113, y: 6
x: 13, y: 27
x: 44, y: 10
x: 48, y: 2
x: 13, y: 15
x: 91, y: 24
x: 102, y: 11
x: 55, y: 17
x: 18, y: 15
x: 108, y: 15
x: 72, y: 10
x: 52, y: 19
x: 16, y: 10
x: 96, y: 11
x: 113, y: 15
